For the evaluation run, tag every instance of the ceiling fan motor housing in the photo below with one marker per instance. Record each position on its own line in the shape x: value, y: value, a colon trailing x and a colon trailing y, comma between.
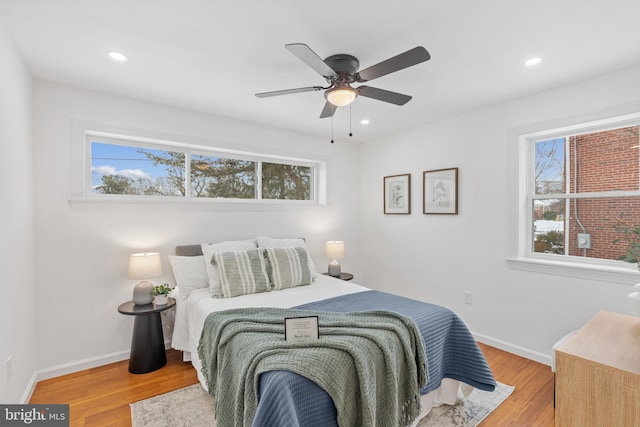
x: 343, y: 64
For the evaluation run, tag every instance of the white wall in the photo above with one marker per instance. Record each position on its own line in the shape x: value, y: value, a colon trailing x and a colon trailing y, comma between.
x: 17, y: 311
x: 82, y: 250
x: 437, y: 257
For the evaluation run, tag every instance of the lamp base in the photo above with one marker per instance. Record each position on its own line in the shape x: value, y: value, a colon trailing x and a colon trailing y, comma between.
x: 334, y: 268
x: 142, y: 293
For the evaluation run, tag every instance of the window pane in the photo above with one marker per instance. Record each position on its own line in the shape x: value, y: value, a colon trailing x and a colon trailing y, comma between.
x: 222, y: 177
x: 605, y: 161
x: 605, y: 228
x: 549, y: 226
x: 549, y: 178
x: 287, y: 182
x: 604, y: 221
x: 121, y: 169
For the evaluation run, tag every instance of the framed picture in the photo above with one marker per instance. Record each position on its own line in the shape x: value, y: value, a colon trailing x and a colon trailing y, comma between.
x: 397, y: 194
x: 301, y: 328
x: 440, y: 191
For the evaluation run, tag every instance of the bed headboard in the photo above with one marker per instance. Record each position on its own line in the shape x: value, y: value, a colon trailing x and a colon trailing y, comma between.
x: 189, y: 250
x: 195, y: 250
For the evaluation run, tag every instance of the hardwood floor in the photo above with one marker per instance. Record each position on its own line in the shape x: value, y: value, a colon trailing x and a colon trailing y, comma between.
x: 531, y: 403
x: 101, y: 396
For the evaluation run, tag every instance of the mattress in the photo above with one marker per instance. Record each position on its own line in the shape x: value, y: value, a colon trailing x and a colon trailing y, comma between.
x: 194, y: 309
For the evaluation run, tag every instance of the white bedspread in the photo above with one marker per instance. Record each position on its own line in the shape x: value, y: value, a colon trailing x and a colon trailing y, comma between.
x: 192, y: 311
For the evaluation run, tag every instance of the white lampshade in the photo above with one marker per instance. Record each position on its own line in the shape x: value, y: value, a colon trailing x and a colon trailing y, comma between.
x: 145, y: 266
x: 341, y: 96
x: 334, y: 249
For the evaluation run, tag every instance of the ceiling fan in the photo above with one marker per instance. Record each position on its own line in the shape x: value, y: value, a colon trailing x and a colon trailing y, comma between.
x: 341, y: 70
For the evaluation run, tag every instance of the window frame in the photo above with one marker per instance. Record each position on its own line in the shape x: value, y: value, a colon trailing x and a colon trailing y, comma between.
x: 82, y: 194
x: 522, y: 154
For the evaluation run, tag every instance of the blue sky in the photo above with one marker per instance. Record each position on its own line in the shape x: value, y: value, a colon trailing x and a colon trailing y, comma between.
x: 121, y: 160
x: 555, y: 173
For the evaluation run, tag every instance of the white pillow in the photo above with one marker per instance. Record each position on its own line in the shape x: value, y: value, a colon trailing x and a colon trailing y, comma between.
x: 268, y: 242
x: 190, y: 273
x: 208, y: 249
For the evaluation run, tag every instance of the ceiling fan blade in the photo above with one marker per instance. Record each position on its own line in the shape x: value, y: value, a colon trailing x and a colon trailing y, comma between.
x: 328, y: 110
x: 407, y: 59
x: 289, y: 91
x: 383, y: 95
x: 310, y: 58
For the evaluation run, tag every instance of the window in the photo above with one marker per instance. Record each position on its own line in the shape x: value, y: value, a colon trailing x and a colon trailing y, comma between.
x: 290, y: 182
x: 222, y: 177
x: 123, y: 167
x: 580, y: 192
x: 128, y: 170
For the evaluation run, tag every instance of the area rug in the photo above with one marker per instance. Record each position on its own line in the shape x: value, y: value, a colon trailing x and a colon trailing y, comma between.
x: 193, y: 407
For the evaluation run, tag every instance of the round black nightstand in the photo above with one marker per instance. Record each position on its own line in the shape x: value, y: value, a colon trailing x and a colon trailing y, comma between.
x: 147, y: 342
x: 342, y: 276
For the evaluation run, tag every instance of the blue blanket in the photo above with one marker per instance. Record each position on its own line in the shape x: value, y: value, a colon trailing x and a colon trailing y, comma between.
x: 289, y: 400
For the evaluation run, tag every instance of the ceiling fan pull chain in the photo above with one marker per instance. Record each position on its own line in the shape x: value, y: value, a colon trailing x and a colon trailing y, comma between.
x: 332, y: 128
x: 350, y: 134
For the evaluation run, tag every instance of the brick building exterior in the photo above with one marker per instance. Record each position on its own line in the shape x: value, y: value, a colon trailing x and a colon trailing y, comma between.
x: 607, y: 161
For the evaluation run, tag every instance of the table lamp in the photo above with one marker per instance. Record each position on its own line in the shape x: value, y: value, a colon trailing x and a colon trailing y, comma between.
x: 144, y: 266
x: 334, y: 249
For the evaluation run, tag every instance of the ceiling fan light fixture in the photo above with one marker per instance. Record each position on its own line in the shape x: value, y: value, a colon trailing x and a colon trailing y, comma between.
x: 341, y: 95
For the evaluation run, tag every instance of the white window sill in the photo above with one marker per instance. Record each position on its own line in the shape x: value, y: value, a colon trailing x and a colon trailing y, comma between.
x: 179, y: 203
x: 622, y: 275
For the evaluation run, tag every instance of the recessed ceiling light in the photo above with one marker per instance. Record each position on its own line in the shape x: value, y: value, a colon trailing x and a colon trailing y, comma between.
x: 364, y: 121
x: 118, y: 56
x: 532, y: 61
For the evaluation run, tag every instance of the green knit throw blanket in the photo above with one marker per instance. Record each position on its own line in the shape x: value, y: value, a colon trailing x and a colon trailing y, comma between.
x: 372, y: 363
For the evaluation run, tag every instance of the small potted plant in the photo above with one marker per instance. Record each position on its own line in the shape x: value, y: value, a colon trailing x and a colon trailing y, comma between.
x: 161, y: 293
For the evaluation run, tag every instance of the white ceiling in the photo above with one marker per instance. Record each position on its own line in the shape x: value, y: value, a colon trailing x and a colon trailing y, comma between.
x: 213, y: 56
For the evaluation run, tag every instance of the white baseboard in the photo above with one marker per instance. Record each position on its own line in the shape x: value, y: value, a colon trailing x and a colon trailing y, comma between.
x: 70, y: 368
x: 81, y: 365
x: 31, y: 386
x: 545, y: 359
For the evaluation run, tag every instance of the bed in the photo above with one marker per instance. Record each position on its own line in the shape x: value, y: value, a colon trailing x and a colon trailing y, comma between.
x: 455, y: 364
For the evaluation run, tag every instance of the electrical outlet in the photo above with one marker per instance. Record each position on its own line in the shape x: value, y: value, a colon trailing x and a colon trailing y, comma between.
x: 467, y: 297
x: 9, y: 364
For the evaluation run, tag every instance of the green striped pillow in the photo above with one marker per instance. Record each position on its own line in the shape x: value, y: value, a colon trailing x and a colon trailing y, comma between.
x: 288, y: 267
x: 241, y: 272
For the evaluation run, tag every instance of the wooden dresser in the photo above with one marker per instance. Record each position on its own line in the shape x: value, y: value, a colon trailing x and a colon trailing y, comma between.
x: 598, y: 373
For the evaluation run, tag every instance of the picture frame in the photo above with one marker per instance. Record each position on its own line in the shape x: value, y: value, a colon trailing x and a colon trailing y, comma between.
x: 397, y: 194
x: 440, y: 192
x: 301, y: 328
